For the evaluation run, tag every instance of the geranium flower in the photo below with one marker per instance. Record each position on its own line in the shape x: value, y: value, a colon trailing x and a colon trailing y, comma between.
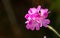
x: 36, y: 18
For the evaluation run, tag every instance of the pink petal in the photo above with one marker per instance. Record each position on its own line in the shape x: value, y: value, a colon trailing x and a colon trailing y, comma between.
x: 38, y: 8
x: 37, y: 15
x: 46, y: 22
x: 27, y: 26
x: 32, y: 27
x: 44, y: 10
x: 37, y: 27
x: 27, y: 22
x: 44, y: 13
x: 26, y: 16
x: 32, y: 10
x: 30, y: 22
x: 45, y: 25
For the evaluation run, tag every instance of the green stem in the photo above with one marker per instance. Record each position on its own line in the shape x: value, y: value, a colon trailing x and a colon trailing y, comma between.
x: 51, y: 28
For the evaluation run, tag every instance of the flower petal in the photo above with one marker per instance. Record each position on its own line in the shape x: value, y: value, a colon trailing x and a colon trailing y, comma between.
x: 32, y: 27
x: 46, y: 22
x: 26, y: 16
x: 37, y: 27
x: 27, y: 22
x: 38, y: 8
x: 27, y: 26
x: 44, y: 13
x: 32, y: 10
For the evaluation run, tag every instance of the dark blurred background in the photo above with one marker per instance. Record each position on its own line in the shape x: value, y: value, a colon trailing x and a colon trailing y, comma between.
x: 12, y: 21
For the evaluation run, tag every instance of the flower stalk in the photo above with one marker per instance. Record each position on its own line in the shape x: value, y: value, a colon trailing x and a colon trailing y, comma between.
x: 51, y: 28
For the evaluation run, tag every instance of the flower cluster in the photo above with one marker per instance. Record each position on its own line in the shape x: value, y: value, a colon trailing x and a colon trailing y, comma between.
x: 36, y: 18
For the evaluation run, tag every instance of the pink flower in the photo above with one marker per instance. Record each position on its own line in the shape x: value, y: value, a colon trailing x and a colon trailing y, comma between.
x: 36, y: 18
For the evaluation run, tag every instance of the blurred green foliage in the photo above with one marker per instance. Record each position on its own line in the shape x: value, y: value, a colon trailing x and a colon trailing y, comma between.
x: 55, y: 5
